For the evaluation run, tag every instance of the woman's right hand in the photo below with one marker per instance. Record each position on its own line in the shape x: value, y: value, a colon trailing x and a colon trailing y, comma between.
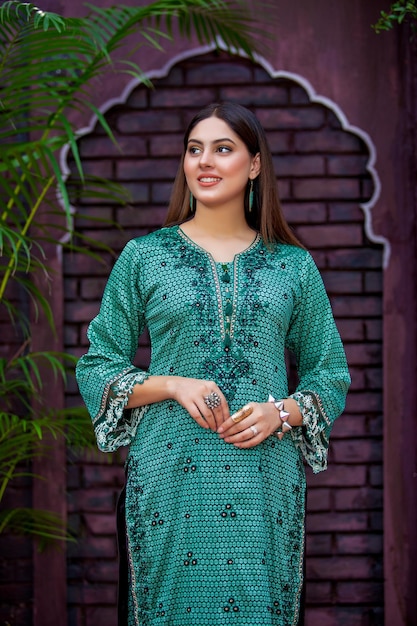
x: 191, y: 394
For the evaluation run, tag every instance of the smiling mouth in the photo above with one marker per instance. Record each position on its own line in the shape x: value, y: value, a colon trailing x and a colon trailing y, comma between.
x: 208, y: 179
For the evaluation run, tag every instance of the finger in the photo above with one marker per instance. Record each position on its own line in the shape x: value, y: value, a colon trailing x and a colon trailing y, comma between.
x: 246, y: 438
x: 217, y: 405
x: 208, y: 417
x: 233, y: 423
x: 196, y: 414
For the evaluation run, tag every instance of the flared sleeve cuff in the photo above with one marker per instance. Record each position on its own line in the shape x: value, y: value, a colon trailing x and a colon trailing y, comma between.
x: 116, y: 426
x: 312, y: 438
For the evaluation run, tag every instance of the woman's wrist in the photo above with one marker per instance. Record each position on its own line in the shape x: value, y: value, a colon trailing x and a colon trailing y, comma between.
x: 284, y: 426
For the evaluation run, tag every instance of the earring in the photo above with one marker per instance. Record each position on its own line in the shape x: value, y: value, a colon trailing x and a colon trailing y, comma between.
x: 251, y: 196
x: 191, y: 202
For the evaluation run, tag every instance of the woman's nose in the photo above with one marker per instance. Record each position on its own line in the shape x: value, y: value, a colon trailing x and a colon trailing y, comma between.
x: 206, y: 158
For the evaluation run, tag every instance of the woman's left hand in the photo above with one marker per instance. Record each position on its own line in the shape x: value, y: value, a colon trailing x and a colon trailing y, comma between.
x: 260, y: 424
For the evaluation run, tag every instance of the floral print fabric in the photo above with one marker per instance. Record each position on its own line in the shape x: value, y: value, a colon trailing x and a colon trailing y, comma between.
x: 215, y: 534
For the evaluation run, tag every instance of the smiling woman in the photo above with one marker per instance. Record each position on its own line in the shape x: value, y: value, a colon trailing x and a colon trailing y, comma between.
x: 212, y: 519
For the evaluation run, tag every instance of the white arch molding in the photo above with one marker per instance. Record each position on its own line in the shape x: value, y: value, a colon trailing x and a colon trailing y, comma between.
x: 313, y: 97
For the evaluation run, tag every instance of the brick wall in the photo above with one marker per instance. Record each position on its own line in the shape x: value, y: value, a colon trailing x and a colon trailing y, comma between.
x: 322, y: 179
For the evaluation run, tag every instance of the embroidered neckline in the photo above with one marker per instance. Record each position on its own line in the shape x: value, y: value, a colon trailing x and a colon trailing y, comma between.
x: 209, y: 255
x: 227, y: 312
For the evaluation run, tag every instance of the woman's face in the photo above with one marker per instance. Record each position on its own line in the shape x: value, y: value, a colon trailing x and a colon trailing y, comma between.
x: 217, y: 164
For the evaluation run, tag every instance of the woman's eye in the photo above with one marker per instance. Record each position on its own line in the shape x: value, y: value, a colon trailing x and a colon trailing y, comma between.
x: 223, y: 149
x: 194, y: 150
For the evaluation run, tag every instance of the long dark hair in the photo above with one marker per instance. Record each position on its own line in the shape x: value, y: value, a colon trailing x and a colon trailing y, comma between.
x: 266, y: 214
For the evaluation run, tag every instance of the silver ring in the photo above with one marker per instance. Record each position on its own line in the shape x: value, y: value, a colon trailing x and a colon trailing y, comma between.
x: 212, y: 400
x: 254, y: 430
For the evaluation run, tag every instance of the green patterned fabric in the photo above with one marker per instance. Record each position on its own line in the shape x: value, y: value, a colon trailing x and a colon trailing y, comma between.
x: 215, y: 533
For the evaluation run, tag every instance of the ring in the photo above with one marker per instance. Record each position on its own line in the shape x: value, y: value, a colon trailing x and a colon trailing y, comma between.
x: 254, y: 430
x: 241, y: 414
x: 212, y: 400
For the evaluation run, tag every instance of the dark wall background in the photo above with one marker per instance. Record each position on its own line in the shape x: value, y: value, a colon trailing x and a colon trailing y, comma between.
x: 362, y: 516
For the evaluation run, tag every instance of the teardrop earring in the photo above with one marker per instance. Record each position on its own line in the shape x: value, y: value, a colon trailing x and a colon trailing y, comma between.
x: 191, y: 203
x: 251, y: 196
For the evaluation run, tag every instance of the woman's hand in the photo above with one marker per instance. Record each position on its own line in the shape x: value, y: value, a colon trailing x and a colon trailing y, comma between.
x: 191, y: 394
x: 247, y: 433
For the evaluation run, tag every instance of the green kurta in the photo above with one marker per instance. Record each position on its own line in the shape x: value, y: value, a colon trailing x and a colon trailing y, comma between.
x: 215, y: 533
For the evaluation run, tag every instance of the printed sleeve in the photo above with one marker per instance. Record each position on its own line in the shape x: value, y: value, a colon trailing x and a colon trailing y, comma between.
x: 106, y: 374
x: 321, y: 364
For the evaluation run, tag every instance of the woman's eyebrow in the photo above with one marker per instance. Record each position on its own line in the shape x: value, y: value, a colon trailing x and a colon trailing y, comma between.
x: 222, y: 140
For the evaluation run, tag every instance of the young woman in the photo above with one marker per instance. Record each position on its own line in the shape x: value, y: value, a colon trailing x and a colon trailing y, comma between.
x: 213, y: 521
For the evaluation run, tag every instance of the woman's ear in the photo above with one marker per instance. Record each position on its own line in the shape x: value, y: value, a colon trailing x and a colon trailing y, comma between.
x: 256, y: 165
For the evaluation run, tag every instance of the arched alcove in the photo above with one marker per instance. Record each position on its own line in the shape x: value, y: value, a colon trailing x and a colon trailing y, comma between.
x: 328, y: 185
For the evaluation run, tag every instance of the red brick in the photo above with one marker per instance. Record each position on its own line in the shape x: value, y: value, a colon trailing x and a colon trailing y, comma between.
x: 144, y: 169
x: 319, y: 544
x: 149, y: 122
x: 307, y: 212
x: 105, y: 616
x: 364, y: 498
x: 318, y: 593
x: 326, y: 188
x: 367, y: 188
x: 358, y: 378
x: 349, y: 426
x: 299, y: 165
x: 291, y: 117
x: 345, y: 212
x: 102, y: 571
x: 374, y: 378
x: 138, y: 99
x: 139, y: 194
x: 92, y: 288
x: 325, y: 235
x: 103, y: 475
x: 71, y: 288
x: 326, y: 140
x: 98, y: 167
x: 347, y: 164
x: 342, y: 282
x: 103, y: 500
x: 93, y: 548
x: 376, y: 475
x: 365, y: 258
x: 171, y: 97
x: 337, y: 475
x: 351, y: 329
x: 82, y: 265
x: 298, y: 95
x: 166, y: 145
x: 364, y: 402
x: 160, y: 194
x: 254, y: 95
x: 97, y: 594
x: 359, y: 543
x: 279, y: 141
x: 363, y: 353
x: 93, y: 146
x: 357, y: 451
x: 319, y: 499
x: 344, y: 616
x: 101, y: 524
x: 343, y: 568
x: 360, y: 592
x: 71, y: 335
x: 218, y: 73
x: 357, y: 305
x: 373, y: 282
x: 82, y: 312
x: 336, y: 522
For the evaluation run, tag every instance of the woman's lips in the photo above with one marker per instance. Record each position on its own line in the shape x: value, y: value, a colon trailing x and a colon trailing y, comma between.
x: 208, y: 180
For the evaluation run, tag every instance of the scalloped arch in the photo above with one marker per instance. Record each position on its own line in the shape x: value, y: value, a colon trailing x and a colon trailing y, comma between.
x: 313, y: 97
